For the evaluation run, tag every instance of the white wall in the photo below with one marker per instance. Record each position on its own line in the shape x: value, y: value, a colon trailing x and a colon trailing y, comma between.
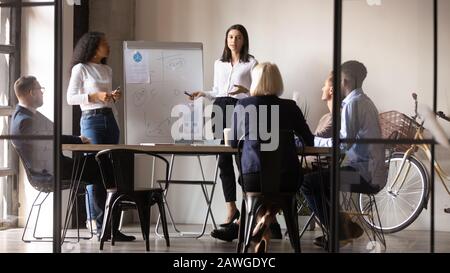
x: 394, y: 40
x: 278, y: 33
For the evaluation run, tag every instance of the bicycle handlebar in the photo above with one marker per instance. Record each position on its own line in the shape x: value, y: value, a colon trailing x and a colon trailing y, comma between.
x: 440, y: 114
x: 443, y: 116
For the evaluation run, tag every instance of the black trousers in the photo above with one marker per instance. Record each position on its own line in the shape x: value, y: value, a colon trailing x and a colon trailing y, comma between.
x: 91, y: 171
x: 226, y: 161
x: 316, y: 189
x: 290, y: 182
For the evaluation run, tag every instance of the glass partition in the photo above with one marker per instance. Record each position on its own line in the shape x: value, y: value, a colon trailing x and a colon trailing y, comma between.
x: 388, y: 81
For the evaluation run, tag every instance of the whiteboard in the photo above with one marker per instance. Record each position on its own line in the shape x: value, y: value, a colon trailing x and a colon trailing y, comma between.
x: 156, y: 75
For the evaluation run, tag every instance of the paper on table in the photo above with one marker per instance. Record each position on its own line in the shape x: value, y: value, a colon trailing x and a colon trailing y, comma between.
x: 155, y: 144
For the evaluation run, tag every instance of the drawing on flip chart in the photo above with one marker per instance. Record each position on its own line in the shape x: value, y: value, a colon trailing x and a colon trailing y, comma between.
x: 140, y: 97
x: 153, y: 93
x: 156, y: 128
x: 176, y: 64
x: 173, y: 68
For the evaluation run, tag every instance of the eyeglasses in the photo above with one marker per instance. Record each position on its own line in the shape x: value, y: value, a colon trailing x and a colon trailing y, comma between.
x: 42, y: 89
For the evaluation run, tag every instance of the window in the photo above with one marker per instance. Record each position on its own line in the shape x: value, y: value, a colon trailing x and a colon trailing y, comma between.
x: 19, y: 20
x: 8, y: 160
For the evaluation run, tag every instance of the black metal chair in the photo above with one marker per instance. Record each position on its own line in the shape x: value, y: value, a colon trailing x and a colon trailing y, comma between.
x: 117, y: 170
x: 44, y: 183
x: 369, y: 211
x: 270, y: 179
x: 318, y: 164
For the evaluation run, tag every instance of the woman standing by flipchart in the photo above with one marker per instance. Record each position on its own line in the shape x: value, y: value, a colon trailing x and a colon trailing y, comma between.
x: 232, y: 81
x: 91, y: 87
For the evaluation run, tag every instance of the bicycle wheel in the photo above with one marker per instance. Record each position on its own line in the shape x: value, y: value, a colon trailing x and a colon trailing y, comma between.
x: 399, y: 204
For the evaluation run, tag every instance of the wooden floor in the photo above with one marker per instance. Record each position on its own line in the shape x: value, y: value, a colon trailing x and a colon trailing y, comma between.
x: 405, y: 241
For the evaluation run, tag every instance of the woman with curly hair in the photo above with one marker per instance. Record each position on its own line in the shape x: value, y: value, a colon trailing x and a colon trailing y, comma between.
x: 90, y: 87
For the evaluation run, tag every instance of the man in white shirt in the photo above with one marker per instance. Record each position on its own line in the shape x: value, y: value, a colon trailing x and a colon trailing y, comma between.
x: 363, y: 163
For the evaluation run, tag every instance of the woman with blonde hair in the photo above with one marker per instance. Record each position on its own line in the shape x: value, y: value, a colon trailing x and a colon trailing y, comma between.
x: 266, y: 88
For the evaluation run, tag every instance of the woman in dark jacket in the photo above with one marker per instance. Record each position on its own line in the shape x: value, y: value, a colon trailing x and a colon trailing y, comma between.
x: 248, y: 121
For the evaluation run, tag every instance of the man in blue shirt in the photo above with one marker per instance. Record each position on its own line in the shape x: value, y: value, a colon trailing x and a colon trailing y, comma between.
x: 363, y: 163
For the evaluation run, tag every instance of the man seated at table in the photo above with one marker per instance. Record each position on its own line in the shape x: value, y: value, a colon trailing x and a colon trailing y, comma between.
x: 38, y: 154
x: 363, y: 163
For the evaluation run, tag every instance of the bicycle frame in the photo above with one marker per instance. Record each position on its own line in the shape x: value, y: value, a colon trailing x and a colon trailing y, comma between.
x: 411, y: 151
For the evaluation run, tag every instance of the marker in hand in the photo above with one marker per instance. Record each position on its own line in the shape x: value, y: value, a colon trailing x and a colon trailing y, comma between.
x: 115, y: 92
x: 188, y: 94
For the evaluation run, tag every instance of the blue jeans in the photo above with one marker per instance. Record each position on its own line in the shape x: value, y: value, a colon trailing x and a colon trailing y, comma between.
x: 100, y: 129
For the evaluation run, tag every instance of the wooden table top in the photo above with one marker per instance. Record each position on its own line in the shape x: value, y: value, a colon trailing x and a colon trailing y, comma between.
x: 180, y: 148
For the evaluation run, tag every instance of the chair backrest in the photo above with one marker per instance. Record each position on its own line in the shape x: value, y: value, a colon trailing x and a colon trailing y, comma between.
x: 39, y: 180
x: 273, y: 163
x: 117, y: 168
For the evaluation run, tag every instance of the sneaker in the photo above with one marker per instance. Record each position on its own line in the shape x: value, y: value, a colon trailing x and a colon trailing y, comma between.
x: 93, y: 224
x: 227, y: 234
x: 275, y: 231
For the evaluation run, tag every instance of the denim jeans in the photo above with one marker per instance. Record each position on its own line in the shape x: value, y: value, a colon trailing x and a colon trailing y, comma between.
x: 100, y: 129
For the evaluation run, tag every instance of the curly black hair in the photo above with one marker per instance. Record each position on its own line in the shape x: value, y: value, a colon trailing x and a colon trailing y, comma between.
x: 86, y: 48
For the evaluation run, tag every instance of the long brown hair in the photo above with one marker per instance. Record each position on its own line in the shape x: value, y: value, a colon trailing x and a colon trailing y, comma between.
x: 244, y: 55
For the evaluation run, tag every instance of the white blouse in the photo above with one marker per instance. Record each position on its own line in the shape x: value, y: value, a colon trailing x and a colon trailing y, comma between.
x: 226, y: 76
x: 87, y: 79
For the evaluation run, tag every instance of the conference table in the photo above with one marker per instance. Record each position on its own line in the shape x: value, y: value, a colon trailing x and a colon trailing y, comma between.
x: 172, y: 149
x: 200, y: 149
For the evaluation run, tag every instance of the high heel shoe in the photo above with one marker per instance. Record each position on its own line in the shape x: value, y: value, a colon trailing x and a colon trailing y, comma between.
x: 236, y: 216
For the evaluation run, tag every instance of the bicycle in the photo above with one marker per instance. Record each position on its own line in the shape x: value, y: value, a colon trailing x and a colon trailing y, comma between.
x: 407, y: 189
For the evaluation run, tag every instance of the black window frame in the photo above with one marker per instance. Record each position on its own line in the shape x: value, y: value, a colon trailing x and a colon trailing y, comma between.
x: 14, y: 50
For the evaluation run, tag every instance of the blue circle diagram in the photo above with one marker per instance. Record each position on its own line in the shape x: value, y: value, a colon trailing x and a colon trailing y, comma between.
x: 137, y: 57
